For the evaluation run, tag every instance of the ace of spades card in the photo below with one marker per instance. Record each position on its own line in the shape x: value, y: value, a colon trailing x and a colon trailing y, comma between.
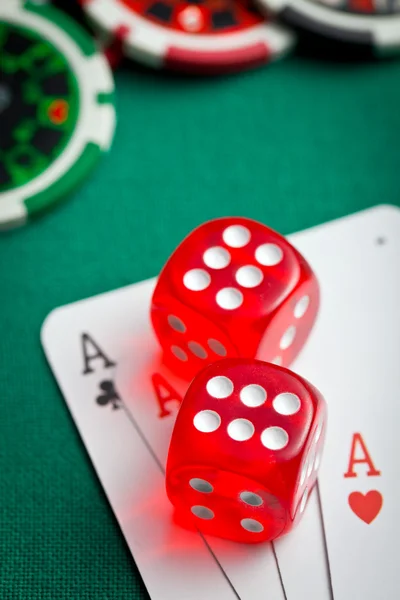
x: 124, y: 402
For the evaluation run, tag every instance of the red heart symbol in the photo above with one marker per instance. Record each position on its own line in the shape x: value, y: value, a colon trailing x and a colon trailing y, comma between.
x: 366, y: 506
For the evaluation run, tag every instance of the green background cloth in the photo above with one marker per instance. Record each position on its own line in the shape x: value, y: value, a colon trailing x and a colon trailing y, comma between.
x: 294, y: 144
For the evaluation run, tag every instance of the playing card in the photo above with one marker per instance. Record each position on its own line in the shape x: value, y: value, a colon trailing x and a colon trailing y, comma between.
x: 82, y: 343
x: 353, y: 355
x: 297, y: 567
x: 91, y: 341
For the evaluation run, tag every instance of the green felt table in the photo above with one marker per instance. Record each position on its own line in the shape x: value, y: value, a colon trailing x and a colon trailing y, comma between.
x: 294, y: 144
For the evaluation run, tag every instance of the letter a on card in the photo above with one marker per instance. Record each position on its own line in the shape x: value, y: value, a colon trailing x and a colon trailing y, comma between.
x: 359, y: 448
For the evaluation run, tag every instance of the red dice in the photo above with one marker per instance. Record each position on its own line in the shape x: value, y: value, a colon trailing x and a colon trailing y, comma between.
x: 233, y: 288
x: 245, y: 450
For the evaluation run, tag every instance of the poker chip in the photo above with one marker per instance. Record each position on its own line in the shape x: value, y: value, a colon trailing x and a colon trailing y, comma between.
x: 208, y: 36
x: 57, y: 114
x: 371, y: 23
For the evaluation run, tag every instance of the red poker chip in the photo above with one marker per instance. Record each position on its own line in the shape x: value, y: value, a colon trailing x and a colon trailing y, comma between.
x: 211, y: 36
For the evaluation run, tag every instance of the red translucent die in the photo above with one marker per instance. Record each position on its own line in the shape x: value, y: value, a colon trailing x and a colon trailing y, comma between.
x: 245, y: 450
x: 233, y: 288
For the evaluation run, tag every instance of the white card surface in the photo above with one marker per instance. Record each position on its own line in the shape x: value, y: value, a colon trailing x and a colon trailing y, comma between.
x: 353, y: 356
x: 175, y: 563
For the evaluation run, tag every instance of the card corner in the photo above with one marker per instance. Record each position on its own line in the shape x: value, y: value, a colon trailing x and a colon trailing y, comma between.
x: 47, y: 324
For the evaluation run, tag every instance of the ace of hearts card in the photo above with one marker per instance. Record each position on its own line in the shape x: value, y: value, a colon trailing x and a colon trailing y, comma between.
x: 124, y: 402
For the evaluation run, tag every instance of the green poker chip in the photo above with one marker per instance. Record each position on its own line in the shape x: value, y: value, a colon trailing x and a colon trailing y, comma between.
x: 57, y: 113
